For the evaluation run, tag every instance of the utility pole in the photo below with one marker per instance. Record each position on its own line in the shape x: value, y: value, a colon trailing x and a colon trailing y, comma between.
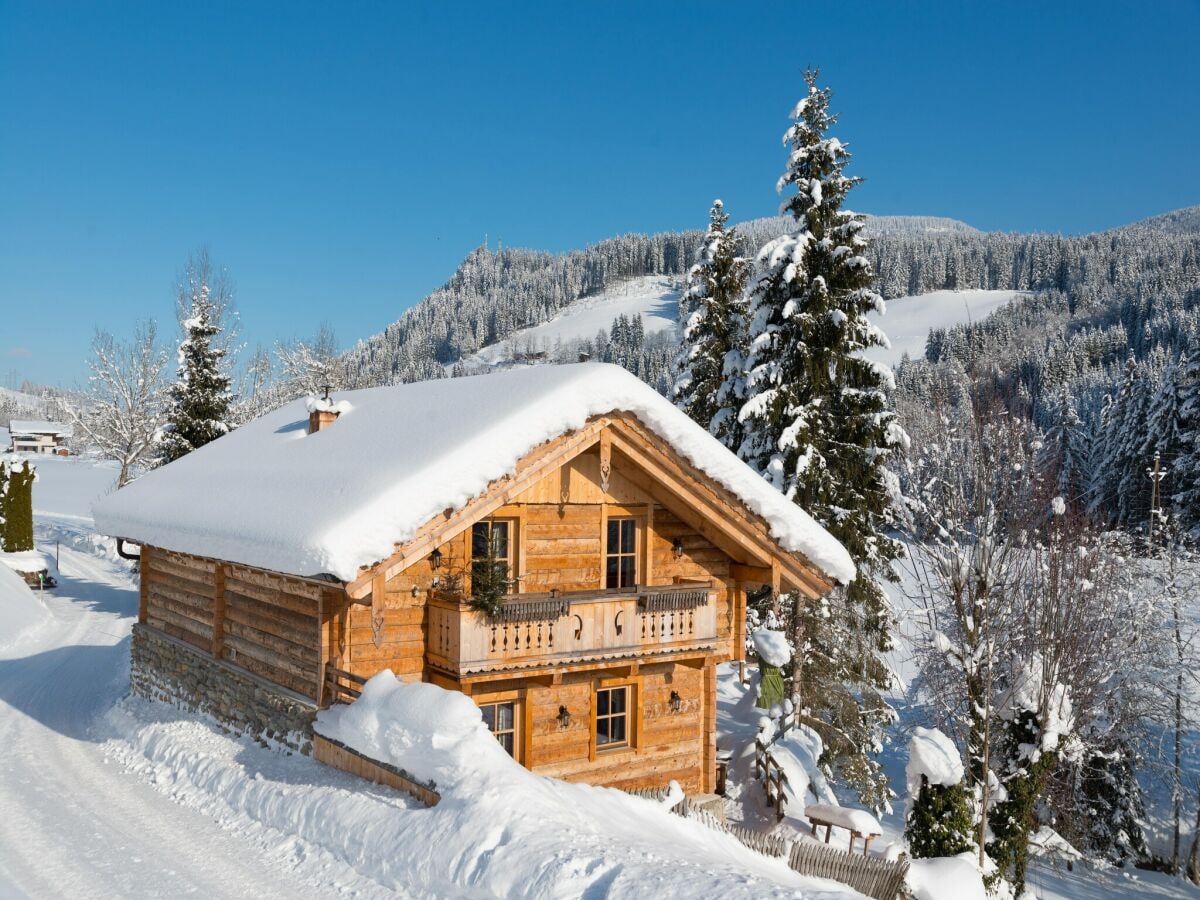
x: 1156, y: 476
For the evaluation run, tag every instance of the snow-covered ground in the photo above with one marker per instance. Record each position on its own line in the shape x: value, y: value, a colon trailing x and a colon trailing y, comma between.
x: 909, y: 320
x: 653, y: 297
x: 104, y: 795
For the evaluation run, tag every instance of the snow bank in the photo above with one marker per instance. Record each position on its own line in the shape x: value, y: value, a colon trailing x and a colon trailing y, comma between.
x: 772, y: 647
x: 498, y: 831
x: 21, y: 610
x: 28, y: 561
x: 271, y: 495
x: 946, y: 878
x: 798, y: 753
x: 932, y: 754
x: 433, y: 734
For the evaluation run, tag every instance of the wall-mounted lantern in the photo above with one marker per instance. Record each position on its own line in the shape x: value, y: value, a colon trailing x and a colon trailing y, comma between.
x: 564, y: 717
x: 435, y: 559
x: 415, y: 591
x: 677, y: 547
x: 676, y: 701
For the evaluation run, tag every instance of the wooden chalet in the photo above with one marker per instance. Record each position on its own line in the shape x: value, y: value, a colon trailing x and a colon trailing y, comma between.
x: 629, y: 537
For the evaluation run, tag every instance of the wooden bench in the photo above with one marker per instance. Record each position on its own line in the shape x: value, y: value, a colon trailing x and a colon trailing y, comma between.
x: 860, y: 823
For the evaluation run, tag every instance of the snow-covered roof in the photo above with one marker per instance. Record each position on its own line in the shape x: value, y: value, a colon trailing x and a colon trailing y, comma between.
x: 20, y: 427
x: 273, y: 496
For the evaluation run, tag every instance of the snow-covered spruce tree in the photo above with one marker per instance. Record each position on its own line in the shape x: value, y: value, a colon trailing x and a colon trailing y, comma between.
x: 1186, y: 467
x: 199, y: 401
x: 818, y: 426
x: 938, y: 822
x: 714, y: 333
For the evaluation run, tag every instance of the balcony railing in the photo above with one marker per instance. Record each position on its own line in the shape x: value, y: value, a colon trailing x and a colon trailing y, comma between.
x: 534, y: 630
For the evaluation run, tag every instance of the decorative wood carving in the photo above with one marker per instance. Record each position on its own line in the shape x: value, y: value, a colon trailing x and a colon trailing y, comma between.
x: 605, y: 459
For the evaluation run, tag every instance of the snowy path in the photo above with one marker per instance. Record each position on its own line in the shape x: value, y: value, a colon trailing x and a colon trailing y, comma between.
x: 74, y: 824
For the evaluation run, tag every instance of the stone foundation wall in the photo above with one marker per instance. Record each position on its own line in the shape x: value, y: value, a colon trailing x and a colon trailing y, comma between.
x: 168, y: 670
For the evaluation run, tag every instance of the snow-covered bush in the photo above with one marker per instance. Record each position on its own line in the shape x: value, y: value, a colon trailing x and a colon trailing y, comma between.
x: 938, y: 822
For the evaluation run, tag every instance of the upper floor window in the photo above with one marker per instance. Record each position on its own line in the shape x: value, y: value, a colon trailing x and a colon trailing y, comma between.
x: 500, y: 534
x: 620, y: 554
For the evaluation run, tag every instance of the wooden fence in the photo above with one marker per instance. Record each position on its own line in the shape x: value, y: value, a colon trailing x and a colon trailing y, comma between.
x: 340, y: 756
x: 342, y: 686
x: 774, y: 779
x: 878, y: 878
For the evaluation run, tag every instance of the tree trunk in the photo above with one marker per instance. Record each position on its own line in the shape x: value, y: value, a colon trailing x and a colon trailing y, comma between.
x: 1193, y: 867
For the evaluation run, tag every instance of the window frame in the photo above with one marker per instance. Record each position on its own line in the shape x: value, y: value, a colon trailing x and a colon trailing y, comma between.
x: 633, y: 716
x: 521, y: 722
x: 640, y: 515
x: 514, y: 555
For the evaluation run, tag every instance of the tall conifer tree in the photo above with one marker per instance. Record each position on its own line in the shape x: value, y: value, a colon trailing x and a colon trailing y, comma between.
x: 819, y: 426
x: 714, y: 335
x: 1187, y: 465
x: 200, y: 399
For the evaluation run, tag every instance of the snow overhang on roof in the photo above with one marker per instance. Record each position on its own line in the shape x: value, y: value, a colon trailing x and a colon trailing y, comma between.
x: 273, y: 496
x: 25, y: 426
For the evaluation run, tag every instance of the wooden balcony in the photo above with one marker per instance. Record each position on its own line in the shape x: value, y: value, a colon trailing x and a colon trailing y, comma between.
x: 559, y: 628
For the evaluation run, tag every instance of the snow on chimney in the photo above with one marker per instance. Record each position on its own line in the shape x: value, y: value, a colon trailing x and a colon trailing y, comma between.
x: 323, y: 412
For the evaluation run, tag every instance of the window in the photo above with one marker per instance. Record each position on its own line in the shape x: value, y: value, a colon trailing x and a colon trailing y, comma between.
x: 500, y: 533
x: 620, y: 554
x: 501, y: 720
x: 612, y: 717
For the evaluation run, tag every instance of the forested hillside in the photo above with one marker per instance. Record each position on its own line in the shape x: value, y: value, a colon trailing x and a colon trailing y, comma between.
x: 1097, y: 356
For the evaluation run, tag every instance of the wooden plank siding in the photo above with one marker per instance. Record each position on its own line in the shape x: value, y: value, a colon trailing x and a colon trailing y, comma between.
x: 265, y: 623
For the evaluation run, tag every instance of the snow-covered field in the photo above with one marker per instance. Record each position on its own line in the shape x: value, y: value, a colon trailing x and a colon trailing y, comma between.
x: 653, y: 297
x: 909, y: 320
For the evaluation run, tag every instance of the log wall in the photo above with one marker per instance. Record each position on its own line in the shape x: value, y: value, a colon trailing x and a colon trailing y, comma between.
x: 271, y: 625
x: 666, y: 745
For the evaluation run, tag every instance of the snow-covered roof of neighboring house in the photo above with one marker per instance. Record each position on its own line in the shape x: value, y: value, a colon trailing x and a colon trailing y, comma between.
x: 19, y: 427
x: 273, y: 496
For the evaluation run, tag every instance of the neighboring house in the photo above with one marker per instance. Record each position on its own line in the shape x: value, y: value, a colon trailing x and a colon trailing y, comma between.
x: 38, y: 437
x: 308, y: 550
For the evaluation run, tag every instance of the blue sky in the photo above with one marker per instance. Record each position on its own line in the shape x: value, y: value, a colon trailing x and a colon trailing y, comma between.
x: 340, y: 159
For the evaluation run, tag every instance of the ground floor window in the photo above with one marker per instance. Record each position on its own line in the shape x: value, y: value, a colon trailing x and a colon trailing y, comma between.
x: 612, y: 717
x: 501, y: 720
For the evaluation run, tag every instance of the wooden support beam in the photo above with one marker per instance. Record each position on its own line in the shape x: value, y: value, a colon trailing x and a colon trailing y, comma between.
x: 753, y: 575
x: 218, y: 626
x: 144, y: 584
x: 323, y: 650
x: 738, y: 521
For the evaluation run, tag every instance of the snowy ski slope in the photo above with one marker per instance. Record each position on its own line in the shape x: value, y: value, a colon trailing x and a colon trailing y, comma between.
x: 656, y: 299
